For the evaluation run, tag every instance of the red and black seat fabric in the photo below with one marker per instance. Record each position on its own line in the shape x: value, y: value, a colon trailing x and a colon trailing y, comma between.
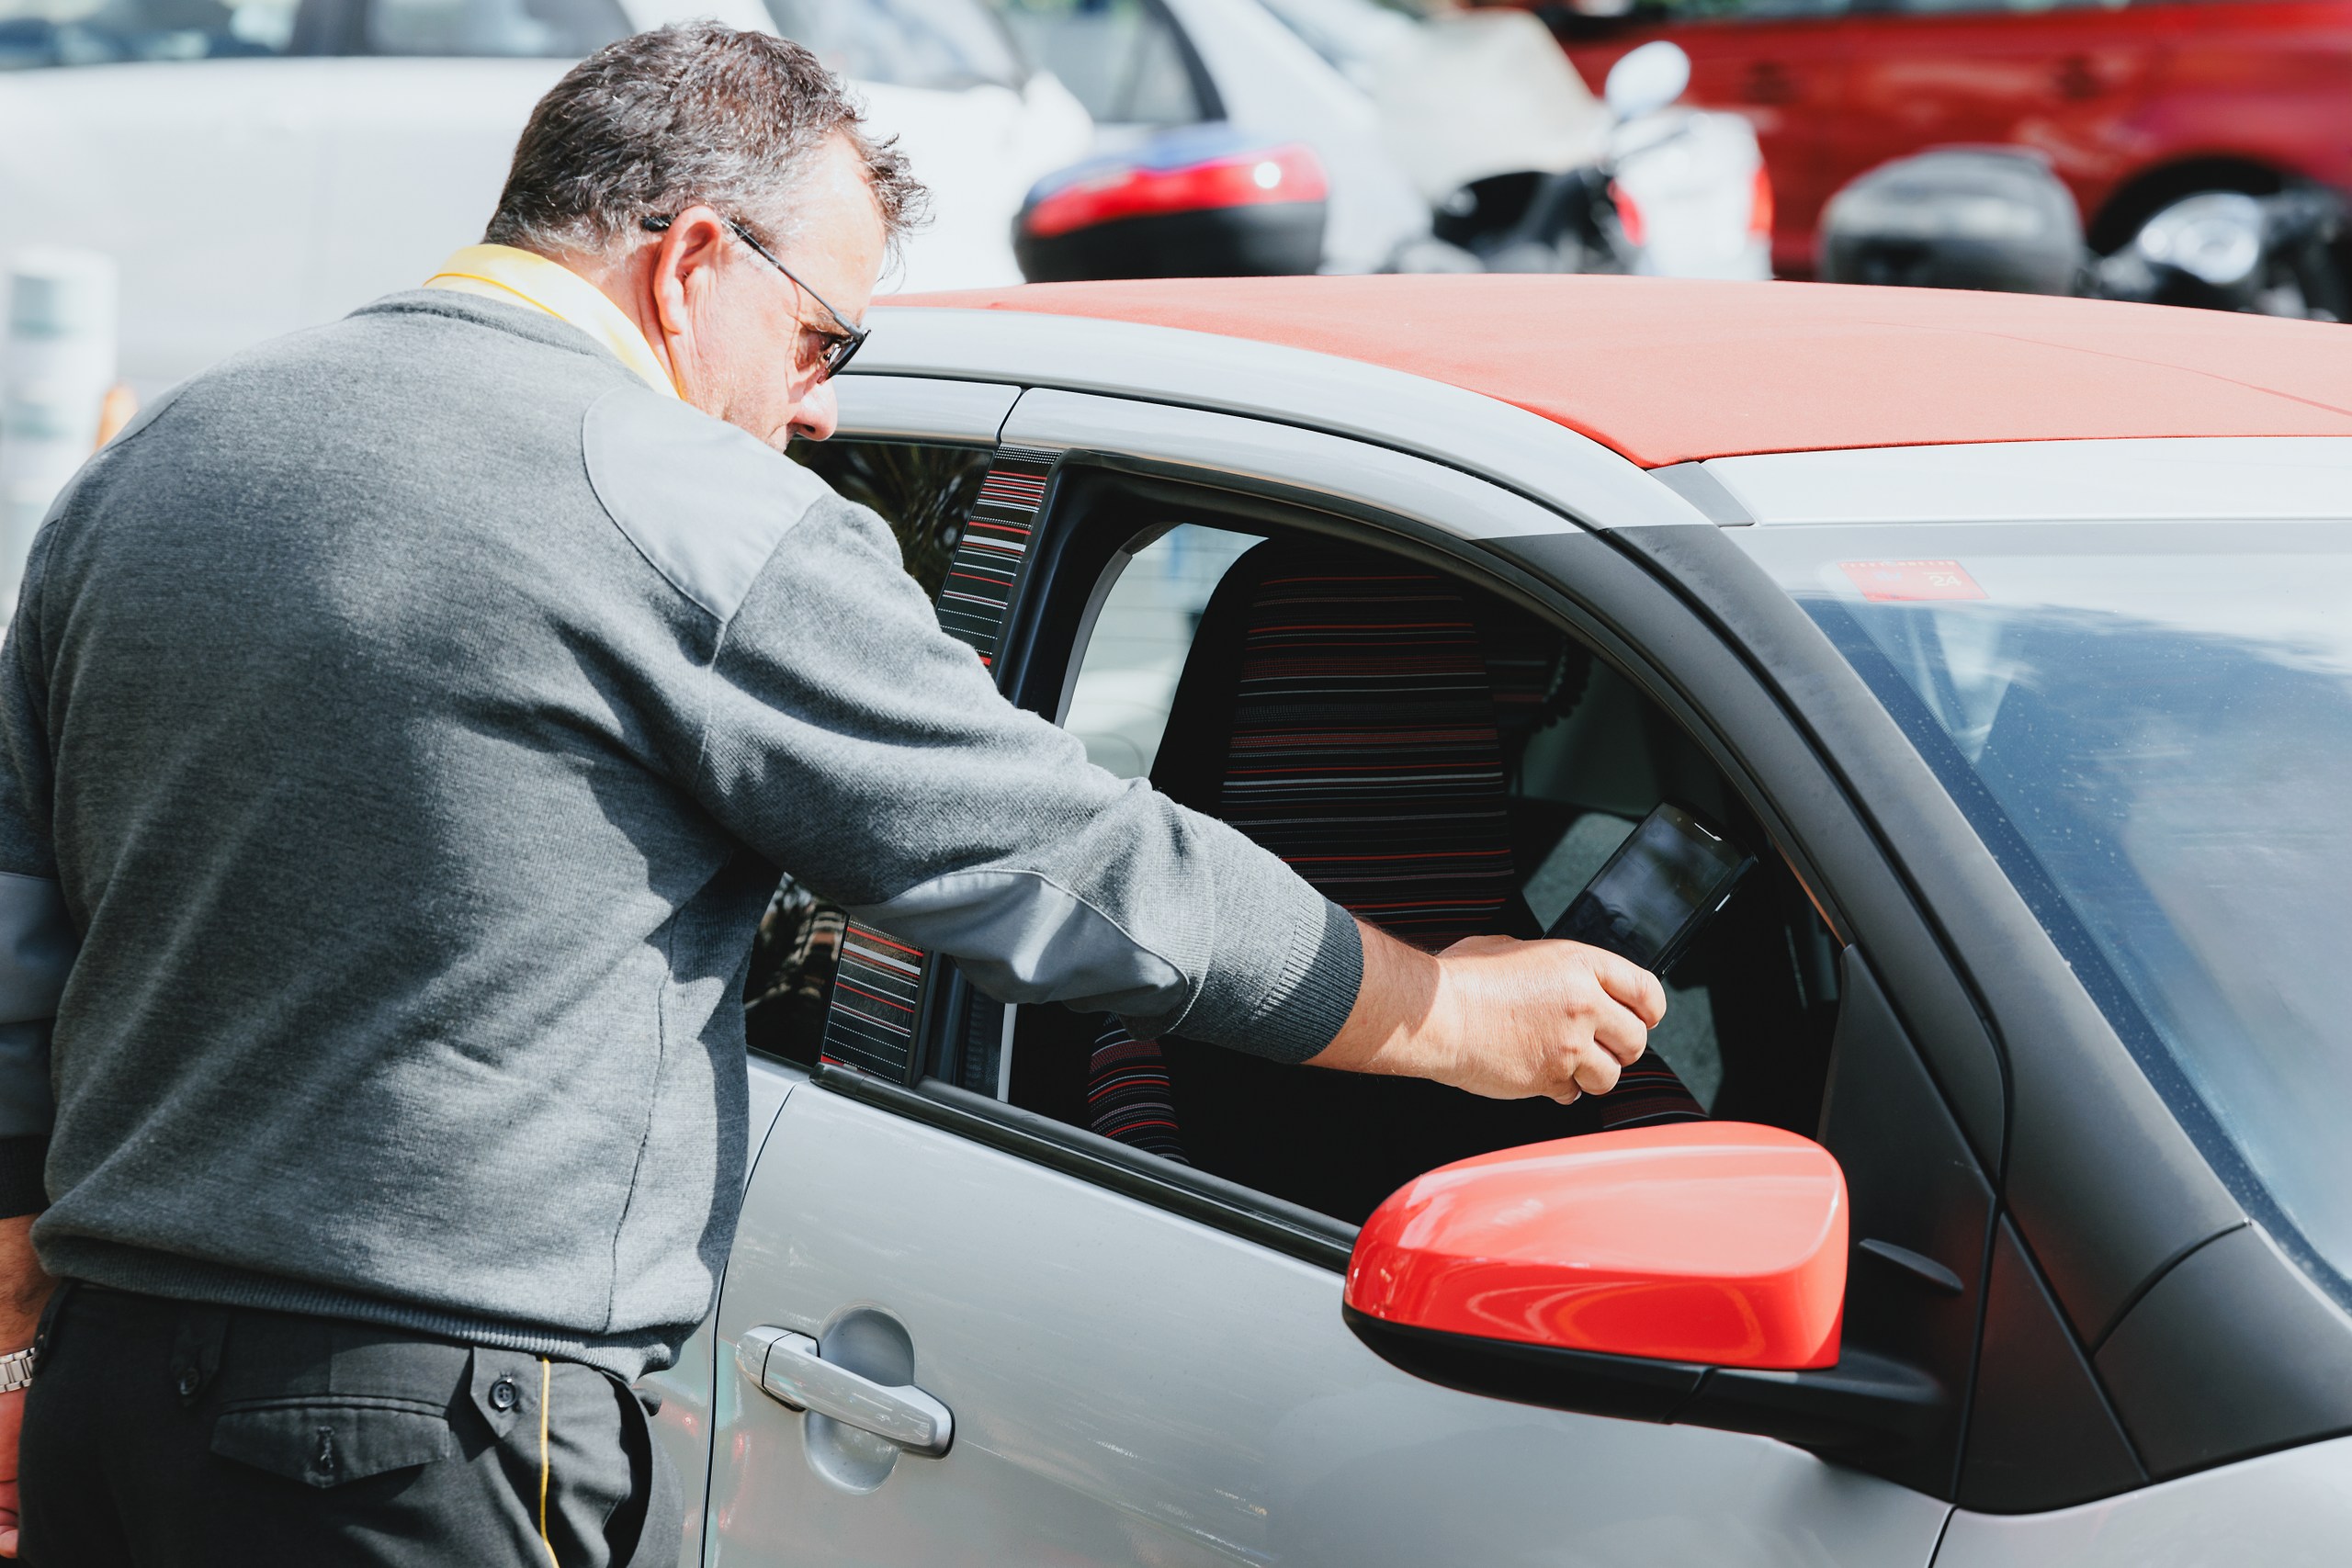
x: 1341, y: 709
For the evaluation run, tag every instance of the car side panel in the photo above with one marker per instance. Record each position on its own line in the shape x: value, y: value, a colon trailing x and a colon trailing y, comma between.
x: 2292, y: 1509
x: 681, y: 1427
x: 1130, y: 1387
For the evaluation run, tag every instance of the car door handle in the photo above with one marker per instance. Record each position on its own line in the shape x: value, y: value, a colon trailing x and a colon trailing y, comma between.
x: 786, y: 1368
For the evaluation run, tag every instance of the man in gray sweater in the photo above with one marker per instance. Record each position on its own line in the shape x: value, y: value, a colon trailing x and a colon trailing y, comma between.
x: 402, y: 729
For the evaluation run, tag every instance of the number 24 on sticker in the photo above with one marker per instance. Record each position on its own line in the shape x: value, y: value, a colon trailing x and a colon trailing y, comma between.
x: 1883, y: 581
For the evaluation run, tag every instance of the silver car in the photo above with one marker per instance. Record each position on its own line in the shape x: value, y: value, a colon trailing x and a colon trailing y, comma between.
x: 2014, y: 638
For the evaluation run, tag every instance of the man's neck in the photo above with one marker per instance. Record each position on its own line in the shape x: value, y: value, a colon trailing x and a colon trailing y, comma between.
x: 627, y: 284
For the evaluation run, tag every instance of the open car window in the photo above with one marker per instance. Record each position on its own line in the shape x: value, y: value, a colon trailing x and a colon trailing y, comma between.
x: 1443, y: 762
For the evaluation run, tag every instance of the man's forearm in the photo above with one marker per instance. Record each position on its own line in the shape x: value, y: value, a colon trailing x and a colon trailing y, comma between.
x: 1392, y: 1028
x: 24, y: 1287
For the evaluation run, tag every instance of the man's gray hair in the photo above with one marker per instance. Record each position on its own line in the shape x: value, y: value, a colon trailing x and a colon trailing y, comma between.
x: 695, y: 113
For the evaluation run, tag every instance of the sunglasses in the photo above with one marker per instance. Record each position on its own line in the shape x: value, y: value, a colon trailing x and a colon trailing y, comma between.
x: 841, y: 345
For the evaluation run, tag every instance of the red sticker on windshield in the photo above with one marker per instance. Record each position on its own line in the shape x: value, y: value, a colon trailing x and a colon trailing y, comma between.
x: 1881, y: 581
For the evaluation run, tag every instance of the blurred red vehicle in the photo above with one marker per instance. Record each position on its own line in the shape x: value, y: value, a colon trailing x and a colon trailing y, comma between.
x: 2136, y: 104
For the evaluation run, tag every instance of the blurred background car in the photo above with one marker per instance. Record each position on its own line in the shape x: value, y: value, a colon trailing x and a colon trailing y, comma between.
x: 1289, y: 71
x: 2134, y: 104
x: 1461, y: 141
x: 234, y: 169
x: 258, y: 165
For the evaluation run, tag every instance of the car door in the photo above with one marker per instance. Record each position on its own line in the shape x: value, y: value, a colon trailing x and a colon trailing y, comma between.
x: 1088, y: 1354
x: 2072, y: 80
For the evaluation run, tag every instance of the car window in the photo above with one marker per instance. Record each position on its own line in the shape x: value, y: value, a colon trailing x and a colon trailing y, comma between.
x: 948, y: 44
x: 1122, y: 59
x: 1444, y: 764
x: 552, y: 29
x: 2150, y: 725
x: 1119, y: 703
x: 36, y: 33
x: 925, y: 492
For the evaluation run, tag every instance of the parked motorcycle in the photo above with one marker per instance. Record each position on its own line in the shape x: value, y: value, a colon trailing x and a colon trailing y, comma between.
x: 1525, y: 172
x: 1998, y: 218
x: 2276, y: 256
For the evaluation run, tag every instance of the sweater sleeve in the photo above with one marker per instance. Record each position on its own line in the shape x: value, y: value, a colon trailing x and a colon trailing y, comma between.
x: 36, y: 940
x: 851, y: 740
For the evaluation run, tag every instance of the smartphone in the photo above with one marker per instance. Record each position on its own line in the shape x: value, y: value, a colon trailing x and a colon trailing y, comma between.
x: 1665, y: 881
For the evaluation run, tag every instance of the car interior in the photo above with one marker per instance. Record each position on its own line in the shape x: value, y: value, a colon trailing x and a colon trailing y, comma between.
x: 1442, y: 762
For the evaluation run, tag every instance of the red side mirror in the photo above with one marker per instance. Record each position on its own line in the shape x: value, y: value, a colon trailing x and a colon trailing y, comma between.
x: 1720, y: 1242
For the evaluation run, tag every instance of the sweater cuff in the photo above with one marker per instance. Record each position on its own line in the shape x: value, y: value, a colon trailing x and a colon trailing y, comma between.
x: 1314, y: 993
x: 22, y: 1189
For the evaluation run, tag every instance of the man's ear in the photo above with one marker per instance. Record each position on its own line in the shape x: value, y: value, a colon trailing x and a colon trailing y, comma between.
x: 686, y: 265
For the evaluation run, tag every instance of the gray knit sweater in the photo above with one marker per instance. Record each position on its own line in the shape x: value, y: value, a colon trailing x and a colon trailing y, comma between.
x: 401, y: 733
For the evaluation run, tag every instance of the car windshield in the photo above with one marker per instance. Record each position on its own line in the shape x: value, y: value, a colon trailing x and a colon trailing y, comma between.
x: 2150, y: 725
x: 948, y: 44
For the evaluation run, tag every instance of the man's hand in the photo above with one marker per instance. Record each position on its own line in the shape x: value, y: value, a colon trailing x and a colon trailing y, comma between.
x: 24, y: 1290
x: 1506, y: 1019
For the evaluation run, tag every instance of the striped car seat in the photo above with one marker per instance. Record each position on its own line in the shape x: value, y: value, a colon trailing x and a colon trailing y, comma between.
x: 1340, y: 708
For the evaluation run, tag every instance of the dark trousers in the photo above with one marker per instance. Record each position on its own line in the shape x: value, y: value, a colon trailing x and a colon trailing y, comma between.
x: 166, y: 1435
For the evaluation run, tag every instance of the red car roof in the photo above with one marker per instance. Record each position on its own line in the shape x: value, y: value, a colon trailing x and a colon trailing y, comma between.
x: 1668, y: 371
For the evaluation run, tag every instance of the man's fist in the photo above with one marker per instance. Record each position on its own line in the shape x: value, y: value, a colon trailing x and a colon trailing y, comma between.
x: 1556, y: 1019
x: 1507, y: 1018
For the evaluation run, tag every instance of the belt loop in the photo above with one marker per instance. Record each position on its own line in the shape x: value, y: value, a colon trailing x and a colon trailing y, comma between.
x: 44, y: 1330
x: 196, y: 1349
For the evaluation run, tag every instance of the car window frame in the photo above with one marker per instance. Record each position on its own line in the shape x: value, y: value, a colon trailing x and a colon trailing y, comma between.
x: 1405, y: 504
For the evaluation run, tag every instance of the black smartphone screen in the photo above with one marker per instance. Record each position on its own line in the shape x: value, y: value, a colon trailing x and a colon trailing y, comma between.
x: 1671, y: 873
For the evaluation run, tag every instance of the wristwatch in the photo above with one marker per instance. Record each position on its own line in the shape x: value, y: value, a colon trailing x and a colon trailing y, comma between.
x: 15, y: 1370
